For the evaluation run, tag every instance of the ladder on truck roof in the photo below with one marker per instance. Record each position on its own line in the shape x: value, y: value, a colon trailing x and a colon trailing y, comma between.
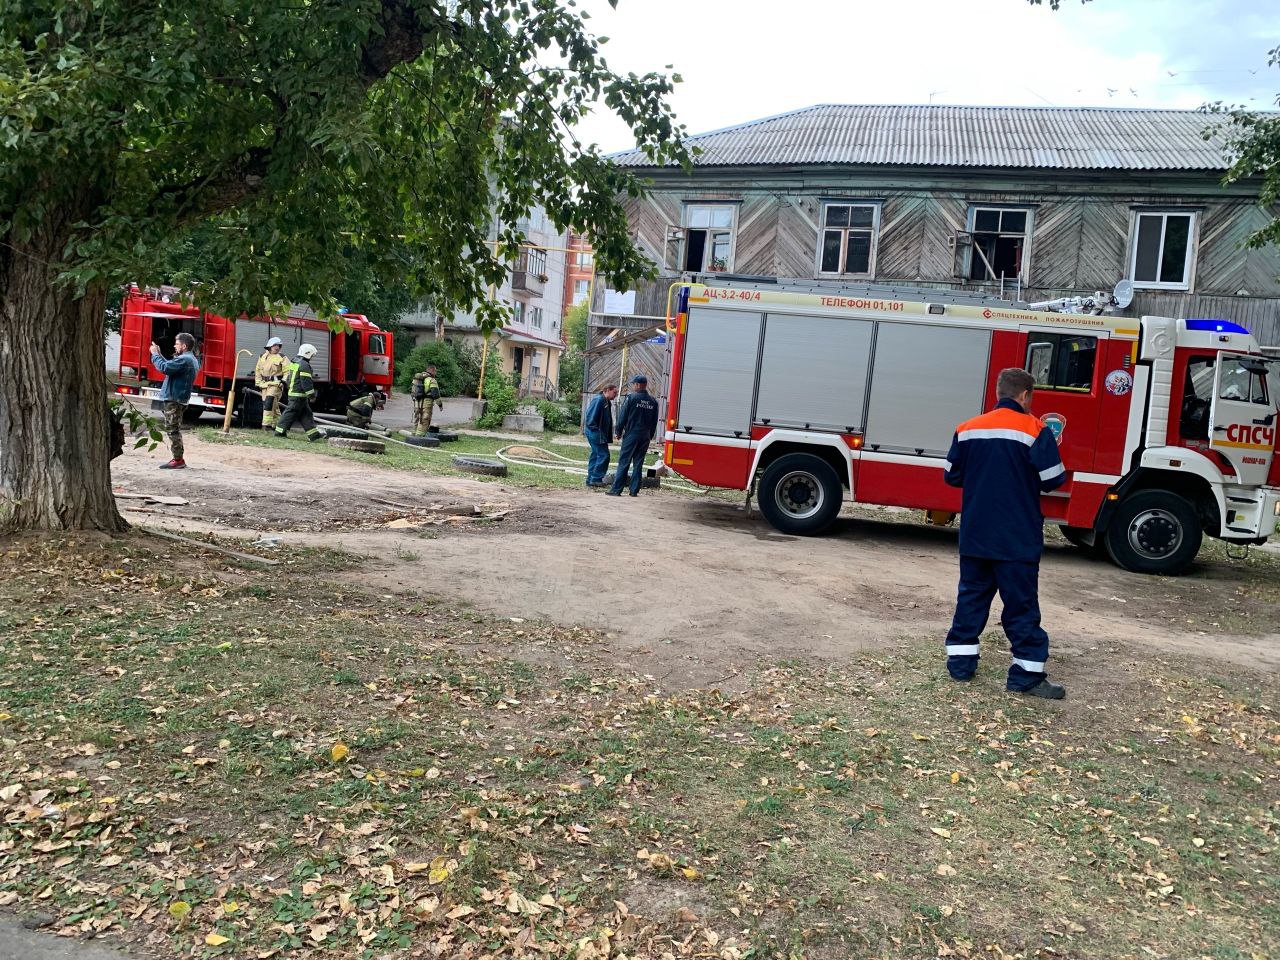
x: 882, y: 291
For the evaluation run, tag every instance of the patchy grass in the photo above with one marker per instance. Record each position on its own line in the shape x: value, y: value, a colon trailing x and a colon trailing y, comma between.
x: 437, y: 460
x: 223, y: 770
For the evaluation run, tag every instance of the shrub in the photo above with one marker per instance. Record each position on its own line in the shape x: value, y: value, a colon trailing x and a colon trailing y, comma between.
x: 559, y: 417
x: 469, y: 355
x: 500, y: 397
x: 444, y: 356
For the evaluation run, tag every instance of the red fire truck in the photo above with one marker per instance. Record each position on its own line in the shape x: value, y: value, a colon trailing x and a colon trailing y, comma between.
x: 346, y: 362
x: 813, y: 395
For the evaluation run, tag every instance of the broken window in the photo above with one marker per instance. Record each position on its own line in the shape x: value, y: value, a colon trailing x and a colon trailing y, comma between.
x: 1163, y: 250
x: 999, y: 243
x: 849, y: 239
x: 708, y: 237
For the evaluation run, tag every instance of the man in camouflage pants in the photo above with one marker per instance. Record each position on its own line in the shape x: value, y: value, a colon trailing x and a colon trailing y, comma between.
x: 175, y: 392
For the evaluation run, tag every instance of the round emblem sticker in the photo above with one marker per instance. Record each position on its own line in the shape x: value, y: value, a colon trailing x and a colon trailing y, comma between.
x: 1057, y: 423
x: 1118, y: 382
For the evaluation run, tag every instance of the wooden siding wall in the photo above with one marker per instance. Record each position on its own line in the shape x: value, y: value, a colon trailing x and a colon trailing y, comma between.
x: 1080, y: 236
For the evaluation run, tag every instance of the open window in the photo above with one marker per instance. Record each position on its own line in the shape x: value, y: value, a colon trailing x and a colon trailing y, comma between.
x: 708, y: 237
x: 1000, y: 242
x: 1197, y: 397
x: 849, y: 234
x: 1162, y: 250
x: 1061, y: 361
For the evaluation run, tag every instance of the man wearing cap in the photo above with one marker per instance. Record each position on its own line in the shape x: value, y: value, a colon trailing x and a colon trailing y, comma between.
x: 637, y: 423
x: 268, y: 377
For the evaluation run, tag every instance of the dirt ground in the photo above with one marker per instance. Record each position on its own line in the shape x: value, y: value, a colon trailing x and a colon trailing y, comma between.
x: 692, y: 590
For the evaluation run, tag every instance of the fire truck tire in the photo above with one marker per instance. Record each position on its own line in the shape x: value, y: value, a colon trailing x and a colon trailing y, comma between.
x: 363, y: 446
x: 481, y: 465
x: 800, y: 494
x: 427, y: 441
x: 1154, y: 531
x: 192, y: 415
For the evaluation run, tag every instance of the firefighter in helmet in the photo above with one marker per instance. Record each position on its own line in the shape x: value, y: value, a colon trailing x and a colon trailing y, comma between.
x: 268, y: 377
x: 300, y: 383
x: 360, y: 410
x: 426, y: 396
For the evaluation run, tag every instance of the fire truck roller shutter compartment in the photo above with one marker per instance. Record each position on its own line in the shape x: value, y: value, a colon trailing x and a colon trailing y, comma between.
x: 813, y: 373
x: 251, y: 335
x: 924, y: 381
x: 290, y: 338
x: 320, y: 340
x: 720, y: 355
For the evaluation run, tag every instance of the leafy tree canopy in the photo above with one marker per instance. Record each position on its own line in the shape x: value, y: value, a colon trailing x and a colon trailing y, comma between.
x: 1253, y: 139
x: 408, y: 136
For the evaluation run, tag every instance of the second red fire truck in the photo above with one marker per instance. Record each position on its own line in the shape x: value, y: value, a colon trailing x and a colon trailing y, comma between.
x: 347, y: 363
x: 1167, y: 427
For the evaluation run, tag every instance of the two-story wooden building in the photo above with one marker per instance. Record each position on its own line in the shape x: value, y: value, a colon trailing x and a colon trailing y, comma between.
x: 1035, y: 202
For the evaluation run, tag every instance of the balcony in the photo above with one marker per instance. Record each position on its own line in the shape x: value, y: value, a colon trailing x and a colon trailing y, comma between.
x: 528, y: 281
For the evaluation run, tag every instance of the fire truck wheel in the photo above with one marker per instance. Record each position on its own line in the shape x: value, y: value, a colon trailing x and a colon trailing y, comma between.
x: 1154, y: 531
x: 364, y: 446
x: 800, y: 494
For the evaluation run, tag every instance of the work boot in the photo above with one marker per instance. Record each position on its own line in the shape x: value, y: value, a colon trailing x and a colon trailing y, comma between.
x: 174, y: 465
x: 613, y: 493
x: 1045, y: 690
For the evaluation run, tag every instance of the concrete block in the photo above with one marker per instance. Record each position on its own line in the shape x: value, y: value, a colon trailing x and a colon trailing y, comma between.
x: 523, y: 423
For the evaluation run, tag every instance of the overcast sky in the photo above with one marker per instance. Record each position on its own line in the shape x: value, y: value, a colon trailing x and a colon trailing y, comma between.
x: 746, y: 59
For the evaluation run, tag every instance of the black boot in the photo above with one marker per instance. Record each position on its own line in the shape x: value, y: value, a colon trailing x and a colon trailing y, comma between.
x: 1045, y: 690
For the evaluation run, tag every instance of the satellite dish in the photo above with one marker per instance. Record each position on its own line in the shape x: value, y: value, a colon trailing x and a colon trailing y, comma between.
x: 1124, y: 293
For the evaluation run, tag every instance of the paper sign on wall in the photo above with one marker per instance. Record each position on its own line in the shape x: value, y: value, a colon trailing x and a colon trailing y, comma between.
x: 619, y: 303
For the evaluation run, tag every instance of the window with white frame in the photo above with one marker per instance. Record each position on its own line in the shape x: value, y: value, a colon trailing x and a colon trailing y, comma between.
x: 1162, y: 253
x: 585, y: 258
x: 708, y: 237
x: 535, y: 316
x: 849, y: 233
x: 580, y: 291
x: 534, y: 262
x: 1001, y: 237
x: 517, y: 311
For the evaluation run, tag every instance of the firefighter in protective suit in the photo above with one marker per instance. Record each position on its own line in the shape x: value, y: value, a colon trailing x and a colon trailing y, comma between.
x: 426, y: 396
x: 360, y: 410
x: 300, y: 382
x: 268, y: 377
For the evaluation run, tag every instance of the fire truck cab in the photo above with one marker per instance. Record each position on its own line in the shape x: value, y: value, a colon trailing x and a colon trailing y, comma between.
x: 1167, y: 427
x: 346, y: 363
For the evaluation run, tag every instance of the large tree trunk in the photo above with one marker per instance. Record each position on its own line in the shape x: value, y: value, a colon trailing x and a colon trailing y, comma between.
x: 54, y: 439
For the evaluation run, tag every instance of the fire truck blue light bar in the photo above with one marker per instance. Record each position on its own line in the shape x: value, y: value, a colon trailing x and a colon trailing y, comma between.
x: 1216, y: 326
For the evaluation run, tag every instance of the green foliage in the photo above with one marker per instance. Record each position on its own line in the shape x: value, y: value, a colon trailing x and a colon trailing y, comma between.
x: 575, y: 327
x: 469, y: 356
x: 558, y: 417
x: 572, y: 370
x: 441, y: 353
x: 322, y: 152
x: 145, y: 429
x: 1254, y: 140
x: 500, y: 394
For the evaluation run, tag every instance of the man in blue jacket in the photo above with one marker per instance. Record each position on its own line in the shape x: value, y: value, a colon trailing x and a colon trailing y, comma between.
x: 597, y: 427
x: 1004, y: 460
x: 637, y: 423
x: 175, y: 392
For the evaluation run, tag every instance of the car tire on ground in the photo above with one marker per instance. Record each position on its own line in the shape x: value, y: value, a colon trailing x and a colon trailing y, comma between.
x: 343, y: 432
x: 363, y: 446
x: 1154, y: 531
x: 485, y: 466
x: 420, y: 441
x: 445, y: 436
x: 801, y: 494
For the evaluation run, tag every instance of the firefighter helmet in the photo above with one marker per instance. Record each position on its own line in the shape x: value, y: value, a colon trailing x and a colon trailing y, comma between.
x: 274, y: 342
x: 307, y: 351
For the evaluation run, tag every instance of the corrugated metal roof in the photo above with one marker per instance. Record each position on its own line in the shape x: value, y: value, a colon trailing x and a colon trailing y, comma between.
x: 1049, y: 138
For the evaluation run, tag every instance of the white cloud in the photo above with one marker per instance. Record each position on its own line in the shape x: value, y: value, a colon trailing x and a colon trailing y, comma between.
x: 746, y: 59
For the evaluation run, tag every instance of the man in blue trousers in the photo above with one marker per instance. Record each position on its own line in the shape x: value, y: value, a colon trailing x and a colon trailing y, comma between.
x: 597, y: 426
x: 1003, y: 460
x: 637, y: 423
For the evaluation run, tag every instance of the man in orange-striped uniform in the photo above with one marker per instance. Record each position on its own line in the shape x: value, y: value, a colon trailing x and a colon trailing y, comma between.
x: 1003, y: 460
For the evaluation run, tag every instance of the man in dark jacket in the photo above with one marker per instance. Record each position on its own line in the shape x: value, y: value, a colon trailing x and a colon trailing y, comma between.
x: 637, y: 423
x: 597, y: 426
x: 1004, y: 460
x: 175, y: 392
x: 300, y: 387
